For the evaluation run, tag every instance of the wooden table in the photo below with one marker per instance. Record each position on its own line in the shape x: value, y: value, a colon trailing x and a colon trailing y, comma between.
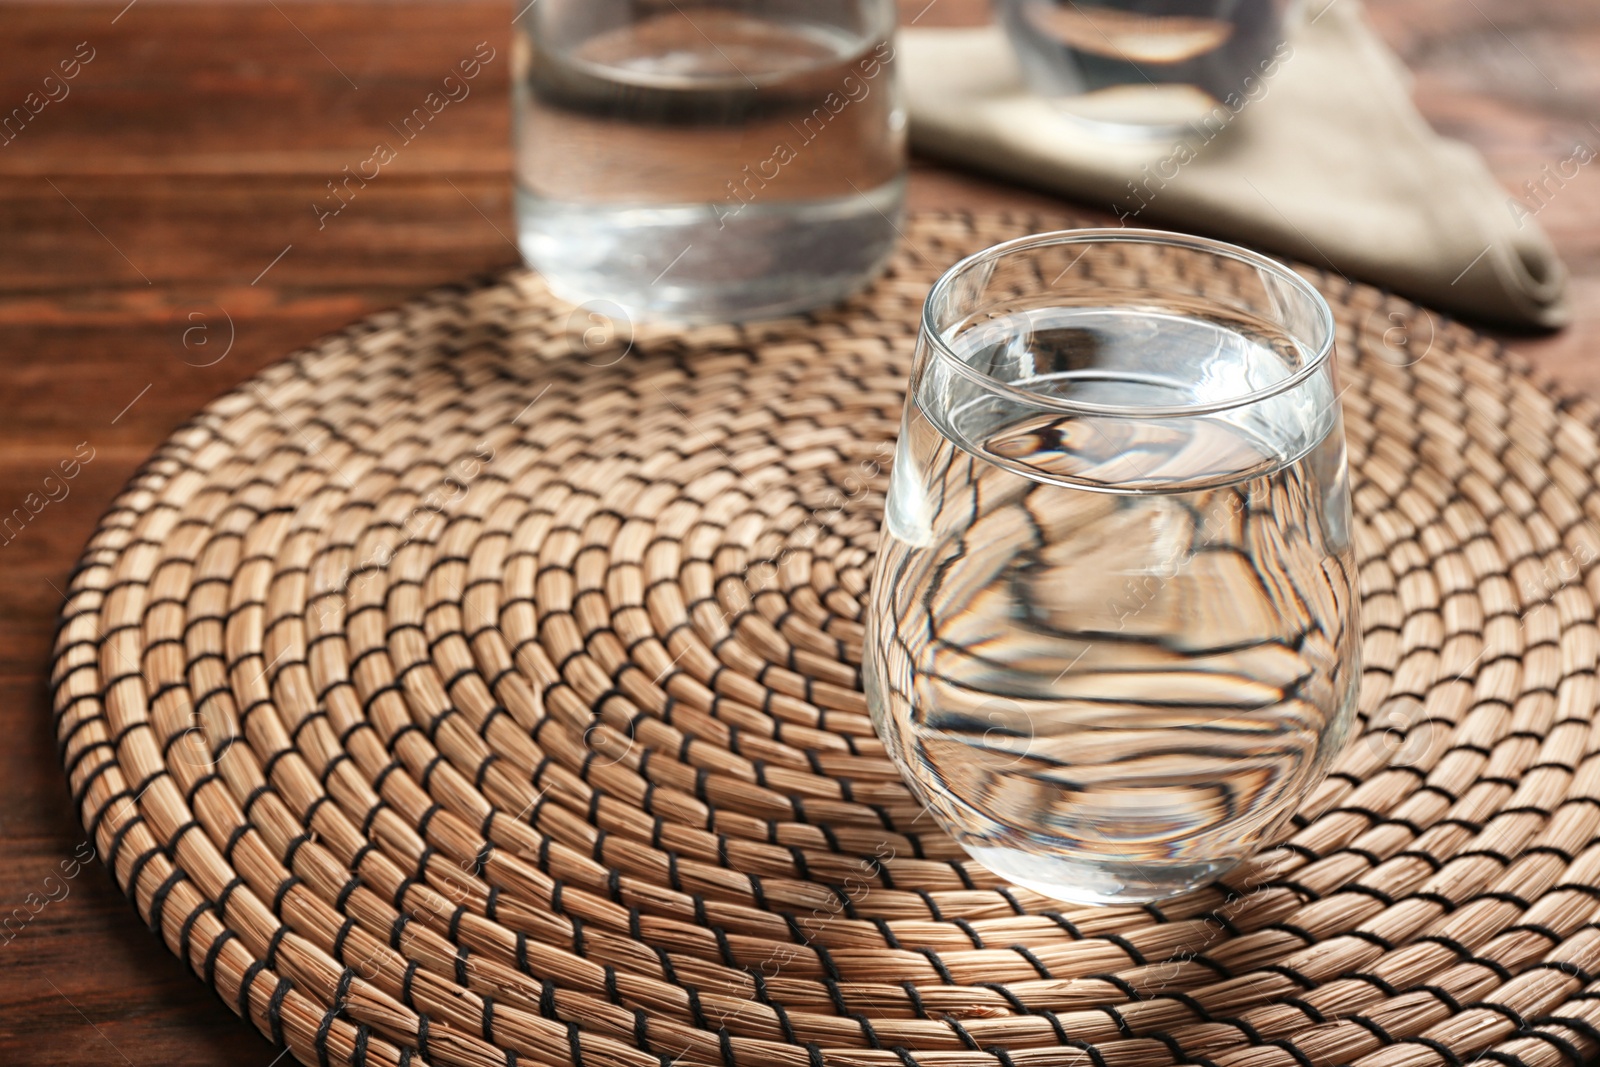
x: 158, y: 243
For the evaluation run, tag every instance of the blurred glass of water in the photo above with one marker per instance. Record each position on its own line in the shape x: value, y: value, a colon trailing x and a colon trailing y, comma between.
x: 708, y: 160
x: 1137, y: 68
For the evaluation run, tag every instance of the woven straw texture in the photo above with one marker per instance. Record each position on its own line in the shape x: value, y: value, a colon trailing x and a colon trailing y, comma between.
x: 481, y: 686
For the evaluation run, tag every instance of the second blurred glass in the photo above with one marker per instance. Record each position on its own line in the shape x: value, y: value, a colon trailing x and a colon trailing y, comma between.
x: 712, y: 160
x: 1137, y: 68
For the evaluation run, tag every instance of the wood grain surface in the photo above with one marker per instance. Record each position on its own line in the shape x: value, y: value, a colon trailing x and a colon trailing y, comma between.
x: 158, y: 243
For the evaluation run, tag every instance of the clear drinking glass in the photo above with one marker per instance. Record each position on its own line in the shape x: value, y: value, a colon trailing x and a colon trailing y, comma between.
x: 1112, y: 636
x: 1153, y: 68
x: 707, y: 160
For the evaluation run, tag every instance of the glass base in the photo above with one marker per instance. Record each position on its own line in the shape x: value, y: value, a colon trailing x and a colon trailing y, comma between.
x: 711, y: 262
x: 1145, y: 112
x: 1097, y: 881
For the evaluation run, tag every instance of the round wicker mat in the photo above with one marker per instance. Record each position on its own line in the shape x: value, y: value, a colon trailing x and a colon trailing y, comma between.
x: 481, y: 687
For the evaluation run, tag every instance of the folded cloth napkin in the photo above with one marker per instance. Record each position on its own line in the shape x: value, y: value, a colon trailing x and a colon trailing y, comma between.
x: 1324, y: 159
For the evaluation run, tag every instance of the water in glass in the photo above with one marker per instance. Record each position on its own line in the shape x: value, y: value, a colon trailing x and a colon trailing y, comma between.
x: 1148, y: 66
x: 1112, y: 651
x: 708, y: 161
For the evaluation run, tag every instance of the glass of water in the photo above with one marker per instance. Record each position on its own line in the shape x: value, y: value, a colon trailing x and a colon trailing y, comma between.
x: 1112, y: 638
x: 707, y: 160
x: 1149, y: 68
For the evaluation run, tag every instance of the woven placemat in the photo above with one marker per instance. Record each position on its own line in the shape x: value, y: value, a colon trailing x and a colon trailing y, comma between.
x: 481, y: 686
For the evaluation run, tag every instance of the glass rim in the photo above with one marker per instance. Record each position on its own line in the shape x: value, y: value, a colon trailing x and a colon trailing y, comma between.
x: 1115, y: 234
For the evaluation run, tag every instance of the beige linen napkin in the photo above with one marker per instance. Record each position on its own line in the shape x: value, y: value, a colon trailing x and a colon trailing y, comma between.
x: 1325, y: 159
